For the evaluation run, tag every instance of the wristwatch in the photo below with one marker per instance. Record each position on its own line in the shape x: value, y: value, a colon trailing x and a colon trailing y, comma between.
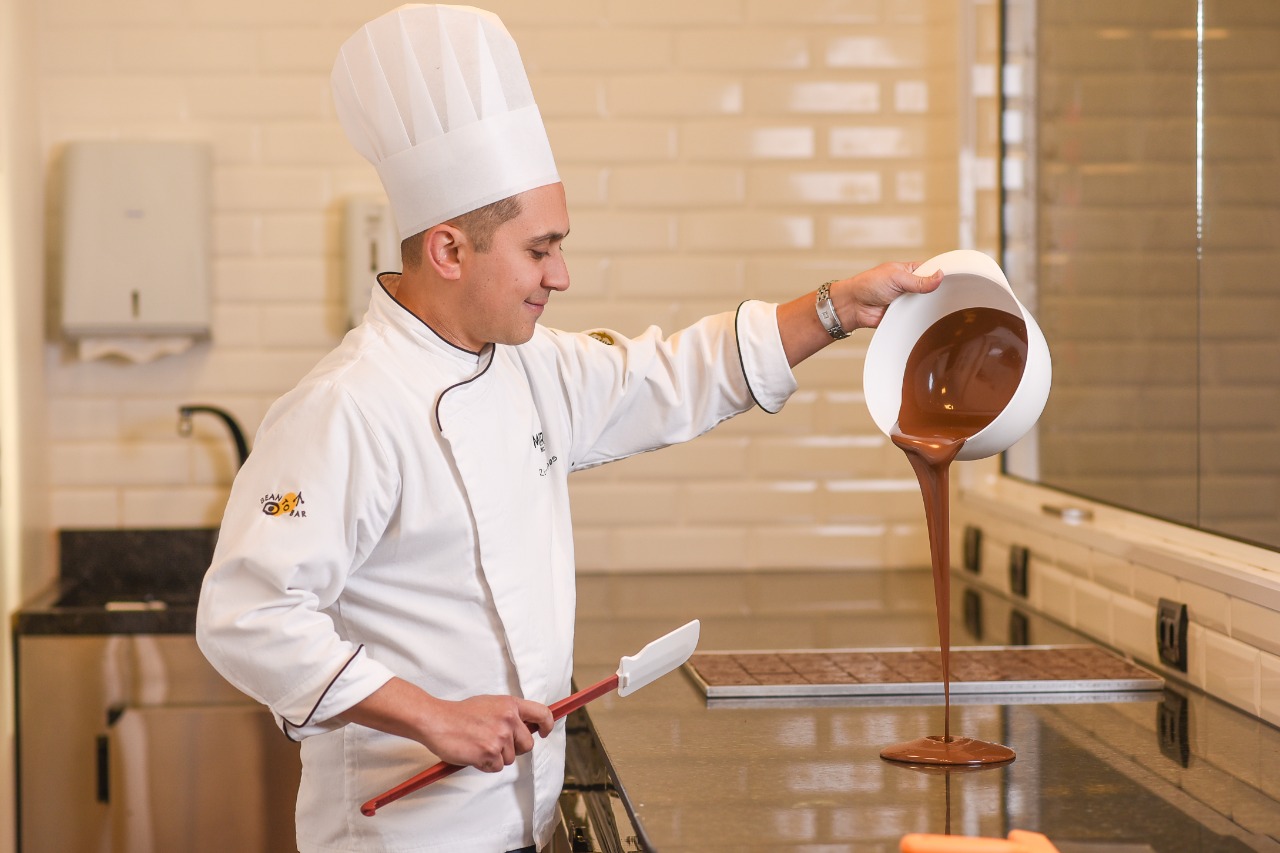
x: 827, y: 313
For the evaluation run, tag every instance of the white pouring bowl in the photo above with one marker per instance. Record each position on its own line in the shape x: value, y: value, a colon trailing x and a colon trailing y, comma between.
x: 970, y: 280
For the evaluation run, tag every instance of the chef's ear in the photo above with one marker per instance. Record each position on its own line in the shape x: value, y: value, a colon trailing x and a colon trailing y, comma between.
x: 442, y: 248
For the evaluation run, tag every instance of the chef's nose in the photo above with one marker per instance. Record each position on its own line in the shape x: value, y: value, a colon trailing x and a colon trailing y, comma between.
x: 556, y: 275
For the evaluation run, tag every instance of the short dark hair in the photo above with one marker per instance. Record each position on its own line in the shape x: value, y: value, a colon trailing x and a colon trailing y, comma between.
x: 479, y: 224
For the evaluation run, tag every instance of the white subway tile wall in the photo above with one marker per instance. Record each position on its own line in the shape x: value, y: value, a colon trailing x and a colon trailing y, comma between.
x: 712, y: 152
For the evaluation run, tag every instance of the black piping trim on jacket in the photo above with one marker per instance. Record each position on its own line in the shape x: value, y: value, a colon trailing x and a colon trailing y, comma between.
x: 419, y: 319
x: 492, y: 355
x: 290, y: 724
x: 743, y: 363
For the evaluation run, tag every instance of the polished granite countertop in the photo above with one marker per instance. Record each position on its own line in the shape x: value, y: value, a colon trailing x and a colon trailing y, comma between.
x: 1172, y: 771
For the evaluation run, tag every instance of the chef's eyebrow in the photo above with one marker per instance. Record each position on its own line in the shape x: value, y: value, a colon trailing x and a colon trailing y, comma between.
x: 549, y: 237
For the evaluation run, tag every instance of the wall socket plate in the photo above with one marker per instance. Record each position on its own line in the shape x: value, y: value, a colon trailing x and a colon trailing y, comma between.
x: 1171, y: 633
x: 972, y: 549
x: 971, y: 606
x: 1173, y: 727
x: 1019, y: 628
x: 1019, y: 557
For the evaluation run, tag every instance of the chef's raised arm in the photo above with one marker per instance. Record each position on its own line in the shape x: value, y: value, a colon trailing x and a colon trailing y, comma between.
x: 639, y: 394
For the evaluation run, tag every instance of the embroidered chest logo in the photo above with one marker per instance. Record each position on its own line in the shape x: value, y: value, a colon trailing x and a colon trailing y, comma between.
x: 603, y: 337
x: 290, y: 504
x: 540, y: 443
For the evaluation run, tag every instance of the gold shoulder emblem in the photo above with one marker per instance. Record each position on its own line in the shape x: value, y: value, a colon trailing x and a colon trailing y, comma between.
x: 603, y: 337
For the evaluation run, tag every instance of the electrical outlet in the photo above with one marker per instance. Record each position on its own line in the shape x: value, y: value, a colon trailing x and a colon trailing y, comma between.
x: 972, y: 606
x: 972, y: 549
x: 1019, y: 556
x: 1019, y: 629
x: 1171, y: 633
x: 1173, y: 727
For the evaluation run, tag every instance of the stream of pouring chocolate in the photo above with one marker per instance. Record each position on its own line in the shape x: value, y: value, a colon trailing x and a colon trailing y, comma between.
x: 960, y: 375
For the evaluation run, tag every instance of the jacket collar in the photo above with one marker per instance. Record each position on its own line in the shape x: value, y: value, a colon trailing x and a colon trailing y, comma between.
x: 386, y: 308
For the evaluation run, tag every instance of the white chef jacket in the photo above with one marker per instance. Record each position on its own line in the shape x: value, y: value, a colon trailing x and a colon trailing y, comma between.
x: 405, y: 511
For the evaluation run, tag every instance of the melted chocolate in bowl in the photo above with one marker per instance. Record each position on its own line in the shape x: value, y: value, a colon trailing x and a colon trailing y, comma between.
x: 960, y: 375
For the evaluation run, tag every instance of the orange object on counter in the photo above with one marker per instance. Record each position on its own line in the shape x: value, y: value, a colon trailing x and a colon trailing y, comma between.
x: 1019, y: 841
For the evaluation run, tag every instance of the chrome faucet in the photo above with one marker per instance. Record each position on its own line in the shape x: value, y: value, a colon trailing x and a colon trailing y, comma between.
x: 237, y: 435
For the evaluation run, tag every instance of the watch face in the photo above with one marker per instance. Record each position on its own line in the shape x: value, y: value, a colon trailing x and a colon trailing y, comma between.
x: 827, y: 314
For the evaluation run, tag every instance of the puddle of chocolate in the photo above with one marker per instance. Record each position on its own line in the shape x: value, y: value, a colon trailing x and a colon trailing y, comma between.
x: 960, y: 375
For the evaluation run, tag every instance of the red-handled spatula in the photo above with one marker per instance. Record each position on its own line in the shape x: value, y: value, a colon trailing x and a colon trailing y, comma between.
x: 634, y: 671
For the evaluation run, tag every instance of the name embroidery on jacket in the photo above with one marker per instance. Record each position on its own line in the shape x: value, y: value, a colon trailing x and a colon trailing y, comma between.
x: 540, y: 443
x: 277, y: 505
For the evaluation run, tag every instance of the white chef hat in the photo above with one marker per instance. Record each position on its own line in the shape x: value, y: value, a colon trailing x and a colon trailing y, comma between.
x: 437, y: 99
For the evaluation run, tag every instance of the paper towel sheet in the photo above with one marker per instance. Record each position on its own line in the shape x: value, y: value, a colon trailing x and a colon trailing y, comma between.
x: 135, y: 349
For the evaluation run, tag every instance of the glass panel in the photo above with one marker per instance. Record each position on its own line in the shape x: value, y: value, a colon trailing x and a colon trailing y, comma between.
x: 1240, y: 317
x: 1116, y: 250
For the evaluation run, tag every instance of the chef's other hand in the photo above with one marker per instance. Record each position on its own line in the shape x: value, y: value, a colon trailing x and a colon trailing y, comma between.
x: 871, y: 292
x: 485, y: 732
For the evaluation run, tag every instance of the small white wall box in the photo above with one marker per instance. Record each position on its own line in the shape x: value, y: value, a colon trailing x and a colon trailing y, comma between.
x: 370, y: 245
x: 135, y: 238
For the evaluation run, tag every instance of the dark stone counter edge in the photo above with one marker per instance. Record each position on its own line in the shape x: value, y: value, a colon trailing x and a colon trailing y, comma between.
x: 96, y: 620
x: 45, y: 615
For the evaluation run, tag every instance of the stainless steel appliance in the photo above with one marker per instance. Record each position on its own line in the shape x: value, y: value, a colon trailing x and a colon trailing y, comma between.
x: 131, y: 742
x: 127, y: 739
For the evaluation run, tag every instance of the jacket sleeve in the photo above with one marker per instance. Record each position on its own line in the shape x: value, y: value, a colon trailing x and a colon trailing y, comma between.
x: 631, y: 395
x: 309, y: 504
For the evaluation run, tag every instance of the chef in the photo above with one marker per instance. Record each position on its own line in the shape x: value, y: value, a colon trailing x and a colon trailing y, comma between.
x: 394, y: 577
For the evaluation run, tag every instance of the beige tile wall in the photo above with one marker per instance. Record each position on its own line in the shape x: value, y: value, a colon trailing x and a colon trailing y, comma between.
x: 714, y: 151
x: 1106, y: 581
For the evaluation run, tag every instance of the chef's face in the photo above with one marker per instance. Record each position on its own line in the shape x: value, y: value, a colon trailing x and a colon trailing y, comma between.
x: 509, y: 284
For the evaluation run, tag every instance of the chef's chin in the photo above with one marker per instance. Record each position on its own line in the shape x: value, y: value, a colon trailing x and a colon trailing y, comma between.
x: 518, y: 337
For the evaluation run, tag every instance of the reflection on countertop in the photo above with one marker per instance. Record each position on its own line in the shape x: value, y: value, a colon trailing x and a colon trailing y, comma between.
x: 1172, y: 771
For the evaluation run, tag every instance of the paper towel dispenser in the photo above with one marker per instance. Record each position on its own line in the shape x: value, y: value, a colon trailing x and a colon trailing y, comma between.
x: 135, y: 238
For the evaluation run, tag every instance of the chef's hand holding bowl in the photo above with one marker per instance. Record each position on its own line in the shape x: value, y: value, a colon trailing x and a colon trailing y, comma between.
x: 970, y: 280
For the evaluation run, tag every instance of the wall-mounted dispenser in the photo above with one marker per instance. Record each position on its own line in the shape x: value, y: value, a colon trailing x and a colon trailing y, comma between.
x: 370, y: 245
x: 135, y: 239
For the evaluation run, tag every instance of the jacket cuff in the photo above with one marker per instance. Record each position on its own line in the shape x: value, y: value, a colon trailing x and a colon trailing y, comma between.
x: 312, y: 709
x: 764, y: 362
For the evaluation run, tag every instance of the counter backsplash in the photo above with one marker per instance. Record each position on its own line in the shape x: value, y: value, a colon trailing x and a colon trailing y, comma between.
x: 1108, y: 585
x: 97, y: 566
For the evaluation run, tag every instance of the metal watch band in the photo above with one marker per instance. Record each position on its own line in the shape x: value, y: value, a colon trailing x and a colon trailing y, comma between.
x: 827, y: 313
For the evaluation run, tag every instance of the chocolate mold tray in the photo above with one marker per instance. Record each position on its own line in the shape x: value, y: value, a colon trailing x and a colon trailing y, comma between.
x: 978, y: 670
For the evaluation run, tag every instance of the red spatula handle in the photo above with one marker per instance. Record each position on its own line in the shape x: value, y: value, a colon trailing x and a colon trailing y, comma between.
x: 439, y: 771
